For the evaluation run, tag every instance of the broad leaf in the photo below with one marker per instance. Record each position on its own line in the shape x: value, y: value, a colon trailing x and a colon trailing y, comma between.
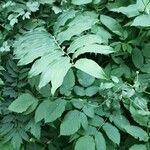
x: 22, y: 103
x: 93, y: 48
x: 50, y: 111
x: 112, y: 24
x: 68, y: 83
x: 70, y: 123
x: 100, y: 141
x: 85, y: 143
x: 112, y: 133
x: 129, y: 11
x: 91, y: 91
x: 137, y: 132
x: 85, y: 79
x: 142, y: 20
x: 137, y: 58
x: 51, y: 73
x: 83, y: 41
x: 90, y: 67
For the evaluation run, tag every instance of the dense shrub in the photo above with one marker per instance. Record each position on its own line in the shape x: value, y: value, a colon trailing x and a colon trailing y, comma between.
x: 75, y: 74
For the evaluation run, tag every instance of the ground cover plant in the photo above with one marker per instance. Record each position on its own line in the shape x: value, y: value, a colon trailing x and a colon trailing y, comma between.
x: 74, y: 74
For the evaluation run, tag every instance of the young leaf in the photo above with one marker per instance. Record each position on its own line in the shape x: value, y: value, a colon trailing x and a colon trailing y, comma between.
x: 85, y: 143
x: 22, y: 103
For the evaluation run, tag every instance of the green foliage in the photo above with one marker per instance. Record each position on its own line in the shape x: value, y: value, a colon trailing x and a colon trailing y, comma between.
x: 85, y: 142
x: 74, y: 75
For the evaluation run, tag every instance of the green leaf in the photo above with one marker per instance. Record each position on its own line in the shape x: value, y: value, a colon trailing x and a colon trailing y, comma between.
x: 96, y: 121
x: 142, y: 20
x: 112, y: 24
x: 91, y: 91
x: 146, y: 68
x: 85, y: 143
x: 85, y: 79
x: 1, y: 82
x: 137, y: 58
x: 46, y: 1
x: 102, y: 33
x: 93, y: 48
x: 33, y: 6
x: 79, y: 90
x: 55, y: 110
x: 41, y: 64
x: 82, y: 22
x: 83, y: 120
x: 129, y: 11
x: 71, y: 123
x: 140, y: 116
x: 120, y: 121
x: 143, y: 6
x: 51, y: 62
x: 137, y: 132
x: 63, y: 18
x: 77, y: 103
x: 90, y: 67
x: 100, y: 141
x: 22, y: 103
x: 146, y: 51
x: 28, y: 48
x: 88, y: 110
x: 5, y: 47
x: 50, y: 111
x: 112, y: 132
x: 68, y: 83
x: 138, y: 147
x: 41, y: 111
x: 34, y: 128
x: 80, y: 2
x: 83, y: 41
x: 51, y: 73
